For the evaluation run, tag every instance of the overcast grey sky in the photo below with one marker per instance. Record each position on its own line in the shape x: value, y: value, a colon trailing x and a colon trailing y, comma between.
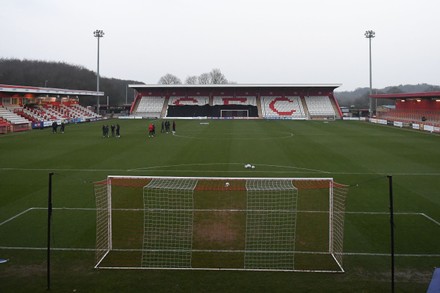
x: 251, y: 41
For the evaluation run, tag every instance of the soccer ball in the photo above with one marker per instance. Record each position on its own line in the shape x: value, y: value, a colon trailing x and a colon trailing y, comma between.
x: 253, y: 167
x: 227, y: 184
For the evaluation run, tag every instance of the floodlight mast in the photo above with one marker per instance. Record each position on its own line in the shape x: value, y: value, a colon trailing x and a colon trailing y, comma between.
x: 98, y: 34
x: 369, y: 35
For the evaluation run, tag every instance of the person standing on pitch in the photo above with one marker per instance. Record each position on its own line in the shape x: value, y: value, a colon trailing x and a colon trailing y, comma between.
x: 162, y: 127
x: 174, y: 127
x: 167, y: 126
x: 62, y: 127
x: 54, y: 127
x: 150, y: 130
x: 118, y: 130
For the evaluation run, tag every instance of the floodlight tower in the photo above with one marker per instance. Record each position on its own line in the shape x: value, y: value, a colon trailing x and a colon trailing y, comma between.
x: 98, y: 34
x: 369, y: 35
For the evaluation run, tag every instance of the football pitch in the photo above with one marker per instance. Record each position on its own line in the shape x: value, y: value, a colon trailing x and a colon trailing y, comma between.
x: 357, y: 154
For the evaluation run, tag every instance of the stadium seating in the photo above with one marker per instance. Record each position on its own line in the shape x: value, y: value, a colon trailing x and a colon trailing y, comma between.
x: 243, y: 100
x: 320, y: 106
x: 411, y: 116
x: 78, y: 111
x: 191, y: 101
x: 150, y: 106
x: 278, y: 107
x: 11, y: 117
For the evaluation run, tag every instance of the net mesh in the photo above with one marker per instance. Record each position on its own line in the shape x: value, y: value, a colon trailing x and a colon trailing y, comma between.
x: 168, y: 223
x: 102, y: 219
x: 270, y: 224
x: 338, y: 216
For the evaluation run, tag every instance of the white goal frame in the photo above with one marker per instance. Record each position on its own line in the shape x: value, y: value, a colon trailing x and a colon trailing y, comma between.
x: 336, y: 215
x: 234, y: 110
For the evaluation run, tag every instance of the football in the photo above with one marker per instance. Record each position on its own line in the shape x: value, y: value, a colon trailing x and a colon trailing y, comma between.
x: 227, y: 184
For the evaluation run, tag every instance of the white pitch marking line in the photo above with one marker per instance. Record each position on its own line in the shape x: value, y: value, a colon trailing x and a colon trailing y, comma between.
x: 16, y: 216
x: 298, y: 252
x: 431, y: 219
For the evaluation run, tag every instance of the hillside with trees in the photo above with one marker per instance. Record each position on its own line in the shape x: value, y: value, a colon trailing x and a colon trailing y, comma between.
x: 359, y: 98
x: 66, y: 76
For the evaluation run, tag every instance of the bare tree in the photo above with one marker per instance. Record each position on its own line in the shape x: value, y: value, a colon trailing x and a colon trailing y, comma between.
x: 169, y: 79
x: 204, y: 78
x: 192, y: 79
x: 217, y: 77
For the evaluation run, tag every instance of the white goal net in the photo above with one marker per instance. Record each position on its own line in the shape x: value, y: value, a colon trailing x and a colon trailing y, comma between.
x: 234, y: 113
x: 271, y: 224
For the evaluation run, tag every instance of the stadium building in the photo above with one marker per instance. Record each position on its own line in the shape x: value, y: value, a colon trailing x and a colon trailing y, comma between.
x: 415, y: 110
x: 26, y: 107
x: 236, y: 101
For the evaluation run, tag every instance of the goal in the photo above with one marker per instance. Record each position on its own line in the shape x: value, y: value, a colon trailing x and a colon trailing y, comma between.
x: 258, y: 224
x: 234, y: 113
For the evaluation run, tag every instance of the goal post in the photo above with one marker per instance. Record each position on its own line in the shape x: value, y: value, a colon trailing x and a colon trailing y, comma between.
x: 258, y: 224
x: 233, y: 113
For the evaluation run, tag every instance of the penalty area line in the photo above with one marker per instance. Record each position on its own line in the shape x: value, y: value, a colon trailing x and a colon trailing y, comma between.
x: 41, y: 208
x: 16, y: 216
x: 45, y: 248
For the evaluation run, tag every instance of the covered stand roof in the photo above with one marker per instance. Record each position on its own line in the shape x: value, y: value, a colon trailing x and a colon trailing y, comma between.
x: 235, y: 89
x: 234, y: 86
x: 19, y: 89
x: 407, y: 95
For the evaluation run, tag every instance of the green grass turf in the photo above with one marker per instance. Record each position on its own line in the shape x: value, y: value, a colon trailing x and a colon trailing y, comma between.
x: 354, y: 153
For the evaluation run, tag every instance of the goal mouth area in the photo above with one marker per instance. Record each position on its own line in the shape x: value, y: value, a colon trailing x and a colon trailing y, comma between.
x: 220, y: 223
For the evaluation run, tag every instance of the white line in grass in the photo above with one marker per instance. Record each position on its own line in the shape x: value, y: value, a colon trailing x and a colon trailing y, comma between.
x: 45, y: 248
x: 431, y: 219
x: 238, y: 137
x: 222, y: 210
x: 293, y: 169
x: 388, y: 254
x: 230, y: 251
x: 16, y: 216
x: 41, y: 208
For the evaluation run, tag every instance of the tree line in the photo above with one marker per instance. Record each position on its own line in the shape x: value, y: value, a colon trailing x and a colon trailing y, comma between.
x: 215, y: 76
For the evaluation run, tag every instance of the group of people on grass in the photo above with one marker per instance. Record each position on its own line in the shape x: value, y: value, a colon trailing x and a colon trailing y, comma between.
x: 116, y: 130
x: 165, y: 128
x: 55, y: 127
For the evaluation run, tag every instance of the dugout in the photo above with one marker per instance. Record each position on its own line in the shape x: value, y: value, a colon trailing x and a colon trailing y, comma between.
x: 265, y: 101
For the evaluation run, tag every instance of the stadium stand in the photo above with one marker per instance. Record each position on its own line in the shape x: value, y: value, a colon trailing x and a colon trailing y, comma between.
x: 192, y: 101
x: 411, y: 108
x: 410, y: 116
x: 279, y: 107
x: 320, y: 106
x: 236, y: 101
x: 78, y: 111
x: 150, y: 107
x: 11, y: 117
x: 26, y: 107
x: 12, y: 122
x: 4, y: 126
x: 239, y: 100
